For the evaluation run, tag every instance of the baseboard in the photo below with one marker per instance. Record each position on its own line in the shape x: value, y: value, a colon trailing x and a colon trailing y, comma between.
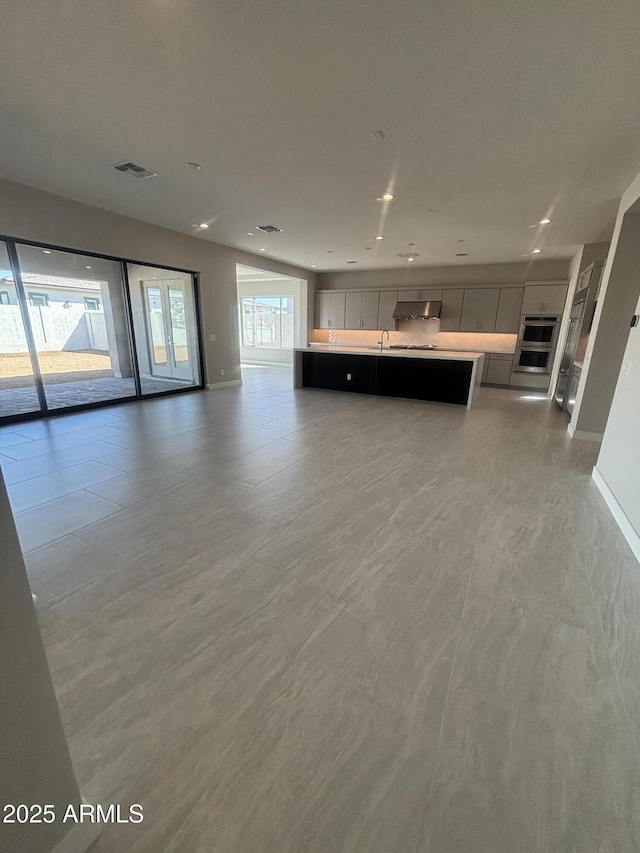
x: 617, y: 512
x: 80, y: 839
x: 585, y: 436
x: 228, y: 384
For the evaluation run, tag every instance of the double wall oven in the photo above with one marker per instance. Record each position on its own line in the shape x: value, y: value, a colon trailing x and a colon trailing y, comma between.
x: 537, y: 343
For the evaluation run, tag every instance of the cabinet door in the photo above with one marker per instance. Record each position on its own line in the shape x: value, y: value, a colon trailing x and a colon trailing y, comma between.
x: 451, y: 310
x: 369, y: 311
x: 323, y: 305
x: 479, y: 310
x: 353, y: 310
x: 386, y: 305
x: 509, y: 310
x: 499, y: 372
x: 544, y: 298
x: 339, y: 372
x: 337, y: 306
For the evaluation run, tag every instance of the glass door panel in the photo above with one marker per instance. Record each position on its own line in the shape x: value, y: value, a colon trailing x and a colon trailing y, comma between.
x: 18, y: 391
x: 164, y: 320
x: 78, y: 318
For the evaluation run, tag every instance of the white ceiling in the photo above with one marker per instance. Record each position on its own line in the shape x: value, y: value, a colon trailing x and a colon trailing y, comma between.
x: 496, y: 113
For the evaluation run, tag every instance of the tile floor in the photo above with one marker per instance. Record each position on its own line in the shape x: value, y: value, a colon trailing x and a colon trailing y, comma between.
x: 309, y: 622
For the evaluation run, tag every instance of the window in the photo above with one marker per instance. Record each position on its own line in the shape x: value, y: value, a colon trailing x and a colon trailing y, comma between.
x: 91, y: 303
x: 39, y: 299
x: 4, y: 297
x: 267, y: 321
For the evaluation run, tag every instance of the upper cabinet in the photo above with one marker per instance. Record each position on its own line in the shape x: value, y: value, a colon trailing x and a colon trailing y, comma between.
x: 330, y: 310
x: 451, y: 310
x: 420, y: 295
x: 361, y: 310
x: 386, y: 306
x: 479, y: 309
x: 544, y: 298
x: 509, y: 310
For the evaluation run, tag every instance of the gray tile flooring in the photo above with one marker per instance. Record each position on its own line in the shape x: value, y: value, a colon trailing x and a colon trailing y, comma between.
x: 309, y: 622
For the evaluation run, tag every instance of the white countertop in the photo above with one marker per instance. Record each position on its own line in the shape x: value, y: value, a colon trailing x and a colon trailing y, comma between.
x: 395, y: 353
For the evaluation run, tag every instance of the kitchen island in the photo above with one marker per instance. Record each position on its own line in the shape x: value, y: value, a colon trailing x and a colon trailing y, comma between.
x: 440, y: 376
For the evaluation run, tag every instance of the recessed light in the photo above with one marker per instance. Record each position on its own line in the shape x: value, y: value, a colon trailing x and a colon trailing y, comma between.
x: 367, y: 248
x: 314, y: 265
x: 250, y: 233
x: 262, y: 249
x: 410, y: 244
x: 329, y: 251
x: 462, y: 254
x: 388, y: 197
x: 545, y: 221
x: 378, y: 135
x: 536, y: 251
x: 194, y: 166
x: 204, y: 225
x: 47, y: 251
x: 380, y: 237
x: 459, y: 241
x: 410, y: 259
x: 87, y: 266
x: 352, y: 262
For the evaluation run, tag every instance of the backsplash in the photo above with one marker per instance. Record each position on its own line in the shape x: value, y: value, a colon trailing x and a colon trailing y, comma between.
x: 418, y: 332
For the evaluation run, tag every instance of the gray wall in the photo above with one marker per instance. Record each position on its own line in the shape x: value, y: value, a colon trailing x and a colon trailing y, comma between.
x: 31, y: 214
x: 618, y: 296
x: 34, y: 758
x: 409, y: 277
x: 619, y: 460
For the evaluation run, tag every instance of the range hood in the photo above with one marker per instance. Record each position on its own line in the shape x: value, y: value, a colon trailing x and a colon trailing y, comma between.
x: 417, y: 310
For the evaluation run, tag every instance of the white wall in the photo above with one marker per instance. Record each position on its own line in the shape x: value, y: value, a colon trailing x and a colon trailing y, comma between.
x: 619, y: 460
x: 618, y: 295
x: 35, y: 766
x: 31, y: 214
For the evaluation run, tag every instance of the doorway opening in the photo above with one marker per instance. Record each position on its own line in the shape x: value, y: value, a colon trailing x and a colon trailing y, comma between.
x: 272, y: 316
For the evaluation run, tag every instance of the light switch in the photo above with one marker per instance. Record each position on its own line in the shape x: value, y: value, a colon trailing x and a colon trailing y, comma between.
x: 626, y: 367
x: 349, y: 377
x: 212, y: 337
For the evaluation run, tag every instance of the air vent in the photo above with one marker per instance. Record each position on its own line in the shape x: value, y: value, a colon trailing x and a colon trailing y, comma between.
x: 135, y: 171
x: 406, y: 255
x: 269, y: 229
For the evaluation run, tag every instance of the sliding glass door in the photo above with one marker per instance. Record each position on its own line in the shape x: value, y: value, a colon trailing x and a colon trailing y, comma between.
x: 77, y: 330
x: 18, y: 389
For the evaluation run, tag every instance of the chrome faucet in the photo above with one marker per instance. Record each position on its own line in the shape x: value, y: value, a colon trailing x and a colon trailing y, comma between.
x: 381, y: 341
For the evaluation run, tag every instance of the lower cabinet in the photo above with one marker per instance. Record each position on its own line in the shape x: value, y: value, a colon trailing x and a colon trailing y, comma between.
x: 339, y: 372
x: 440, y: 380
x: 498, y: 369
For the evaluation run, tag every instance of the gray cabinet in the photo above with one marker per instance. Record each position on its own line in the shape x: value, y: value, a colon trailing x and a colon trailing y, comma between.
x: 544, y: 298
x: 509, y: 310
x: 386, y: 305
x: 330, y: 310
x: 451, y: 310
x: 424, y: 295
x: 361, y: 310
x: 499, y: 368
x: 479, y: 309
x: 572, y: 393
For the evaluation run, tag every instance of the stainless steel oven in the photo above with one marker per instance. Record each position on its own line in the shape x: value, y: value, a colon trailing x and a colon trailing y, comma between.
x: 537, y: 343
x: 539, y: 331
x: 533, y: 359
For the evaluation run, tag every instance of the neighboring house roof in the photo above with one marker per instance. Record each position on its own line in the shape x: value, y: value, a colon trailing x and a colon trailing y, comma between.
x: 59, y: 282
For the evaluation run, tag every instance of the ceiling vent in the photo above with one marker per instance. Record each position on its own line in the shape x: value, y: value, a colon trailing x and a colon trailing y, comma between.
x: 269, y: 229
x: 405, y: 255
x: 134, y: 170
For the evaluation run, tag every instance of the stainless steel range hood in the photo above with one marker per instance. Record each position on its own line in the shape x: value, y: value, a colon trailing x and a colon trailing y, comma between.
x: 417, y: 310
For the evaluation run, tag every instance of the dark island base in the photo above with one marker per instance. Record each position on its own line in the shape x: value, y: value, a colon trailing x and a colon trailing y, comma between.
x: 437, y: 380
